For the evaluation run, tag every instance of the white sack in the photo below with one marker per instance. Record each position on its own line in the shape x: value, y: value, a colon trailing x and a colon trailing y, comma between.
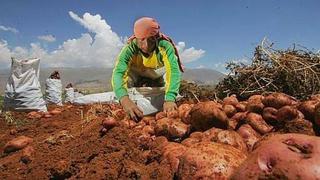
x: 54, y: 91
x: 23, y: 90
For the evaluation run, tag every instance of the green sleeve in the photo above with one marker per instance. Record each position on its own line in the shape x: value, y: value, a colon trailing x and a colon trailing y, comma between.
x: 173, y: 74
x: 119, y: 74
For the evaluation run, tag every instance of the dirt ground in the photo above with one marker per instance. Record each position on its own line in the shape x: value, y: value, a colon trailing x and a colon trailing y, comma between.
x: 69, y: 145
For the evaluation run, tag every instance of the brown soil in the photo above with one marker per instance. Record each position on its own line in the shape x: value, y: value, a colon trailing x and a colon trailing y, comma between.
x: 68, y: 146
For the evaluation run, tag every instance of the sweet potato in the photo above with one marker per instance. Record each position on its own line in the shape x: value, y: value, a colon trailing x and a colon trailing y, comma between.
x: 184, y: 110
x: 232, y: 100
x: 128, y: 123
x: 34, y: 115
x: 173, y: 114
x: 286, y: 156
x: 257, y: 123
x: 171, y: 154
x: 230, y: 110
x: 144, y: 140
x: 300, y: 126
x: 55, y: 111
x: 190, y: 141
x: 225, y: 137
x: 109, y: 123
x: 149, y: 120
x: 178, y: 129
x: 308, y: 109
x: 209, y: 160
x: 236, y: 120
x: 256, y: 98
x: 148, y: 130
x: 211, y: 133
x: 300, y: 115
x: 269, y: 114
x: 17, y: 144
x: 249, y: 135
x: 159, y: 142
x: 171, y: 128
x: 317, y: 115
x: 231, y: 138
x: 160, y: 115
x: 287, y: 113
x: 241, y: 106
x: 139, y: 126
x: 197, y: 135
x: 162, y: 127
x: 47, y: 115
x: 205, y: 115
x: 255, y: 104
x: 277, y: 100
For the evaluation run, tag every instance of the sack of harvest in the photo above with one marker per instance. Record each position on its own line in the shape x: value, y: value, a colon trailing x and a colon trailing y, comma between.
x: 54, y: 89
x: 23, y: 90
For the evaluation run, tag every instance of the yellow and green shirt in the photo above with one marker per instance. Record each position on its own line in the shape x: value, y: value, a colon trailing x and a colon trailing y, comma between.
x: 131, y: 57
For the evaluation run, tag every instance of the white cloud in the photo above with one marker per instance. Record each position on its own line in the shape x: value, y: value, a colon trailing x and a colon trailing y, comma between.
x: 48, y: 38
x: 190, y: 54
x: 99, y: 48
x: 5, y: 54
x: 243, y: 60
x: 4, y: 28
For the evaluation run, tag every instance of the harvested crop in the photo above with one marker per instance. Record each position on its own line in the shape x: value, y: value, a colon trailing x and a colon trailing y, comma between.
x: 277, y: 100
x: 205, y: 115
x: 109, y: 123
x: 257, y: 123
x: 17, y: 144
x: 286, y: 156
x: 209, y: 160
x: 230, y: 110
x: 308, y: 109
x: 232, y: 100
x: 287, y: 113
x: 269, y: 114
x: 249, y: 135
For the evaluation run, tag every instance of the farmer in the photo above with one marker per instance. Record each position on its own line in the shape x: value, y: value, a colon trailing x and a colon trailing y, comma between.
x: 148, y: 59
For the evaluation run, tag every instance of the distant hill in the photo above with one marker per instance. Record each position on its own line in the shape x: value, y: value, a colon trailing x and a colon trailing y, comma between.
x: 203, y: 76
x: 99, y: 78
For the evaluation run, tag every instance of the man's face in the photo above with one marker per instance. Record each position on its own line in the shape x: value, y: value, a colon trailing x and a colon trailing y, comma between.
x: 147, y: 45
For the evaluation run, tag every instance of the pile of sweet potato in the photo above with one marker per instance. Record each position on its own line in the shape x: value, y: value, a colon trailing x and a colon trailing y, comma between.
x: 229, y: 138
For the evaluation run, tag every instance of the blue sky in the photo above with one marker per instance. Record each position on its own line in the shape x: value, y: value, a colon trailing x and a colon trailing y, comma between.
x: 225, y: 29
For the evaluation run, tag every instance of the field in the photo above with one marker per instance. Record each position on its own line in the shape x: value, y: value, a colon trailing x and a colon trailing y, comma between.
x: 201, y: 140
x: 67, y: 145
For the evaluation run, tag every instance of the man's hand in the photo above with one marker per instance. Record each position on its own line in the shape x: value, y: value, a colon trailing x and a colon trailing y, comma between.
x: 131, y: 108
x: 169, y: 106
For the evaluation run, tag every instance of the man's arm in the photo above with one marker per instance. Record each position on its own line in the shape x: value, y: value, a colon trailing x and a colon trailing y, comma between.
x: 119, y: 74
x: 173, y: 74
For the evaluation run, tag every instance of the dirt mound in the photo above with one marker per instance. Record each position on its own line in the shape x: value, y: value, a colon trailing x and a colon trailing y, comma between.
x: 69, y: 146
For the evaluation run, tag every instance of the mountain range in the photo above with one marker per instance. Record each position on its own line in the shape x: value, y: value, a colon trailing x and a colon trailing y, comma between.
x: 98, y: 79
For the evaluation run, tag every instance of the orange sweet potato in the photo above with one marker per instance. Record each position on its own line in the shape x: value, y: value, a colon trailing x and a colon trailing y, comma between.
x: 205, y: 115
x: 17, y: 144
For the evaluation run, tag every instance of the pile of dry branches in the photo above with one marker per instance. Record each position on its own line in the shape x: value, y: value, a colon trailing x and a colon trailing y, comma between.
x: 295, y: 72
x: 193, y: 92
